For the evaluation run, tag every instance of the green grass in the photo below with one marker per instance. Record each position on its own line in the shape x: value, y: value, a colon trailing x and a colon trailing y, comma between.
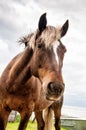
x: 14, y: 126
x: 31, y: 126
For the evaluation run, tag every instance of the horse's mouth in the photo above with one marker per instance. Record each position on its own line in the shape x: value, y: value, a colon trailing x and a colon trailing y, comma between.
x: 52, y: 98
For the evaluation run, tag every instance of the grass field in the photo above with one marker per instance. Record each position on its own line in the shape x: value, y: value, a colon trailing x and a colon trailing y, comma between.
x: 31, y: 126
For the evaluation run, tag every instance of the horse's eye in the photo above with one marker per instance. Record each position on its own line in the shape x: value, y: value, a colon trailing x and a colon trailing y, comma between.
x: 40, y: 45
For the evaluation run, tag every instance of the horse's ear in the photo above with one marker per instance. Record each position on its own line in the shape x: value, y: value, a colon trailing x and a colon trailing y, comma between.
x: 42, y: 22
x: 64, y: 28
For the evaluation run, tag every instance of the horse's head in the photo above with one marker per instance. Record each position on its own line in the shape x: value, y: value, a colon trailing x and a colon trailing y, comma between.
x: 47, y: 60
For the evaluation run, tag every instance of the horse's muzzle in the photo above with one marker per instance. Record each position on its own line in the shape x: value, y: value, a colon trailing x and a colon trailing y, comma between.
x: 55, y: 90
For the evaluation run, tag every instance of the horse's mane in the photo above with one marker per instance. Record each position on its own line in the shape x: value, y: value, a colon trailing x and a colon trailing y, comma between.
x: 49, y: 36
x: 25, y: 39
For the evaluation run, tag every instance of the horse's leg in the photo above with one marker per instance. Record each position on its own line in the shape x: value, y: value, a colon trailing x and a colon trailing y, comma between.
x: 25, y: 115
x: 4, y: 113
x: 57, y: 113
x: 39, y: 119
x: 48, y: 117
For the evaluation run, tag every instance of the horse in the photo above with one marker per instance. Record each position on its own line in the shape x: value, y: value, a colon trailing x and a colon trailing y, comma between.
x: 20, y: 88
x: 57, y: 105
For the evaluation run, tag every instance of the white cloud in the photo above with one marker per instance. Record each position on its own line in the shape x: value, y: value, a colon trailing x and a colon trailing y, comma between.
x: 4, y: 51
x: 4, y: 54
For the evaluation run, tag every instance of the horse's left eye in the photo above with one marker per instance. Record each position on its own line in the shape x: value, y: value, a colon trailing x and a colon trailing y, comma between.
x: 40, y: 45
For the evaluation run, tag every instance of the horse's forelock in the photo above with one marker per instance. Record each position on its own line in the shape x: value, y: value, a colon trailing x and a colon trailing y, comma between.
x: 50, y: 35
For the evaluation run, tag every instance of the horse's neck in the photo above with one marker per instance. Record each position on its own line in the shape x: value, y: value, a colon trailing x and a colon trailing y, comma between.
x: 18, y: 68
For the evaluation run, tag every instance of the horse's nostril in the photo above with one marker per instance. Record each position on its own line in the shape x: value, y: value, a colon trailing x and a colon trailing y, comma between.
x: 59, y: 91
x: 54, y: 87
x: 50, y: 86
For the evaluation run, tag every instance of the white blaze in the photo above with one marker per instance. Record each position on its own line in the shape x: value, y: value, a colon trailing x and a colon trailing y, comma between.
x: 55, y: 46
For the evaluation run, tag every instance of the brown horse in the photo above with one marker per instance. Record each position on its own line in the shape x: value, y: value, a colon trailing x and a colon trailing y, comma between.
x: 20, y: 88
x: 43, y: 124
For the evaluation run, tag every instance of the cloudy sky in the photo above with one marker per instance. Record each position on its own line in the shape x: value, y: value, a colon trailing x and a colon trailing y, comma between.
x: 20, y: 17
